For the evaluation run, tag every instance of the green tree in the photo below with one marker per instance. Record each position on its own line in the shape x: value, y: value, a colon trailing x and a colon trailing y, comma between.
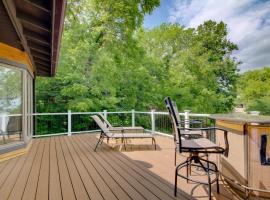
x: 108, y: 61
x: 195, y: 66
x: 254, y: 90
x: 101, y: 66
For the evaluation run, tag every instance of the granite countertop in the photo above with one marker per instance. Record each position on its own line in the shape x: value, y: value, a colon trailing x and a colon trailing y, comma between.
x: 242, y: 117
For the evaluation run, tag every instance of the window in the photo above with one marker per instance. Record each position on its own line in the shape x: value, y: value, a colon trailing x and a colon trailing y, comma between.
x: 10, y: 104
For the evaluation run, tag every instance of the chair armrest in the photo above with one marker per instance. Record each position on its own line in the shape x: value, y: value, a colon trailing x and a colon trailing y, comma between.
x: 225, y: 132
x: 117, y: 124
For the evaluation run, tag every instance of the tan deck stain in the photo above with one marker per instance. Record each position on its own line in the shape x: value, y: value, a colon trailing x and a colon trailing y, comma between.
x: 66, y: 167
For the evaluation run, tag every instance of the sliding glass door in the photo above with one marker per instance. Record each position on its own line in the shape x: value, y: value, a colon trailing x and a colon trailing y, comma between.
x: 11, y: 104
x: 16, y: 106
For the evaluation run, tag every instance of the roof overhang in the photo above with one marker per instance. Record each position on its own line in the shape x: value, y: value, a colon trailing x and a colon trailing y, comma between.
x: 36, y: 28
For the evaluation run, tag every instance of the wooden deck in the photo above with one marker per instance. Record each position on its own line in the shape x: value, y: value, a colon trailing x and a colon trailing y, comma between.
x: 66, y: 168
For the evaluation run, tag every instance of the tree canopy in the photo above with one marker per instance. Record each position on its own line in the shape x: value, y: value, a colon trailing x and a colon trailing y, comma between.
x: 254, y: 90
x: 109, y: 61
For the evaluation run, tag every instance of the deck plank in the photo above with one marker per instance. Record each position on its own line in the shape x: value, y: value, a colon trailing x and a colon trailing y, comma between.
x: 87, y: 180
x: 21, y: 181
x: 66, y: 185
x: 78, y: 186
x: 95, y: 176
x: 146, y: 190
x: 10, y: 181
x: 151, y: 177
x: 102, y: 171
x: 7, y: 170
x: 30, y: 189
x: 68, y: 168
x: 54, y: 181
x: 43, y: 181
x: 2, y: 165
x: 129, y: 188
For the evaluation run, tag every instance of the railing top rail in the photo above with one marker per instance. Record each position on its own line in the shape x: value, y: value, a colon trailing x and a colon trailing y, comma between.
x: 142, y: 112
x: 10, y: 115
x: 198, y: 115
x: 85, y: 113
x: 40, y: 114
x: 119, y: 112
x: 113, y: 112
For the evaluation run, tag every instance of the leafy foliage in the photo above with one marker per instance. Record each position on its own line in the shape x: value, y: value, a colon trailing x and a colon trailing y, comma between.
x: 254, y: 90
x: 108, y: 61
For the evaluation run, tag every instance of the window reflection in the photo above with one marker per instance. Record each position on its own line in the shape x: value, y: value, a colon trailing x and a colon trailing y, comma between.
x: 10, y: 105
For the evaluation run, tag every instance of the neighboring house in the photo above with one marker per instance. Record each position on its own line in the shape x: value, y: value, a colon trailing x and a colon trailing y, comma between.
x: 30, y: 35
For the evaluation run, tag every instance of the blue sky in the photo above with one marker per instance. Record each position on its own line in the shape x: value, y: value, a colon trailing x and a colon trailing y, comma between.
x: 248, y: 24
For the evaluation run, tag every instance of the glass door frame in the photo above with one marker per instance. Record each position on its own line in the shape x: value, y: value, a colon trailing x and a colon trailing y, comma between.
x: 26, y: 105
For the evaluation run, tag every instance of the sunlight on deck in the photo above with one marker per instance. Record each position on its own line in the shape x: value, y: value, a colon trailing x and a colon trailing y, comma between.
x: 66, y: 167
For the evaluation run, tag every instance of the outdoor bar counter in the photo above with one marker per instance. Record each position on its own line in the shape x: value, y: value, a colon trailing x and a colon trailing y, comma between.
x: 248, y: 163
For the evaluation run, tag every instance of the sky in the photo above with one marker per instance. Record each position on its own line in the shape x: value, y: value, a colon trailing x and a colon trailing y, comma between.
x: 248, y: 24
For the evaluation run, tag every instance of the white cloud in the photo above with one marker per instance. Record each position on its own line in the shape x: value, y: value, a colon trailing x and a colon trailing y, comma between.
x: 248, y: 24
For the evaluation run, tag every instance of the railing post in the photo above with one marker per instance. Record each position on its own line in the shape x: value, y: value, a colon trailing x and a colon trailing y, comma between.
x: 187, y: 118
x: 133, y: 117
x: 153, y: 125
x: 69, y: 123
x: 3, y: 122
x: 105, y: 113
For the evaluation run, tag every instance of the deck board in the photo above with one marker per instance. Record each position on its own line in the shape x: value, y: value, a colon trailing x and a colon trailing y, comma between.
x: 148, y: 190
x: 95, y: 176
x: 89, y: 184
x: 31, y: 185
x: 130, y: 190
x: 66, y: 184
x: 43, y: 180
x: 78, y: 186
x: 55, y: 191
x: 7, y: 170
x: 67, y: 168
x: 21, y: 181
x: 104, y: 174
x: 10, y: 181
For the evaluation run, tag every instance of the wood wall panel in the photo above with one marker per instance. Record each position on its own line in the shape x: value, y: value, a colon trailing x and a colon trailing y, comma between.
x: 15, y: 55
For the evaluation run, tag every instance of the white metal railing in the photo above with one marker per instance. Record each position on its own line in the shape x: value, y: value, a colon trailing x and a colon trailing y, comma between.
x: 153, y: 117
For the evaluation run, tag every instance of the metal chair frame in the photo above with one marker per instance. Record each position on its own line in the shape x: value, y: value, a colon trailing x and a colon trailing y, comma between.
x: 194, y: 159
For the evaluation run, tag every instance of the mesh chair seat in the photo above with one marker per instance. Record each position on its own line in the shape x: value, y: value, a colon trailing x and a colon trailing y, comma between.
x: 194, y: 133
x: 131, y: 135
x: 127, y: 129
x: 198, y: 144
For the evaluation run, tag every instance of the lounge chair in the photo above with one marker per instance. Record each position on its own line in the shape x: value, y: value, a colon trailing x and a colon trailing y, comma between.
x: 107, y: 133
x: 133, y: 129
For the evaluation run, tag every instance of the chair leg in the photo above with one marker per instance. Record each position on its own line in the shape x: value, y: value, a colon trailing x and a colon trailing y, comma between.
x: 175, y: 177
x: 175, y: 181
x: 154, y: 140
x: 187, y: 168
x: 208, y: 174
x: 216, y: 171
x: 4, y: 139
x: 123, y: 142
x: 99, y: 140
x: 209, y: 185
x: 175, y: 153
x: 217, y: 185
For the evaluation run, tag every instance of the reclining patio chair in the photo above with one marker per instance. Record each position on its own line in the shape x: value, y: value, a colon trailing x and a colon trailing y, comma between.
x: 113, y: 128
x: 195, y: 147
x: 106, y: 133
